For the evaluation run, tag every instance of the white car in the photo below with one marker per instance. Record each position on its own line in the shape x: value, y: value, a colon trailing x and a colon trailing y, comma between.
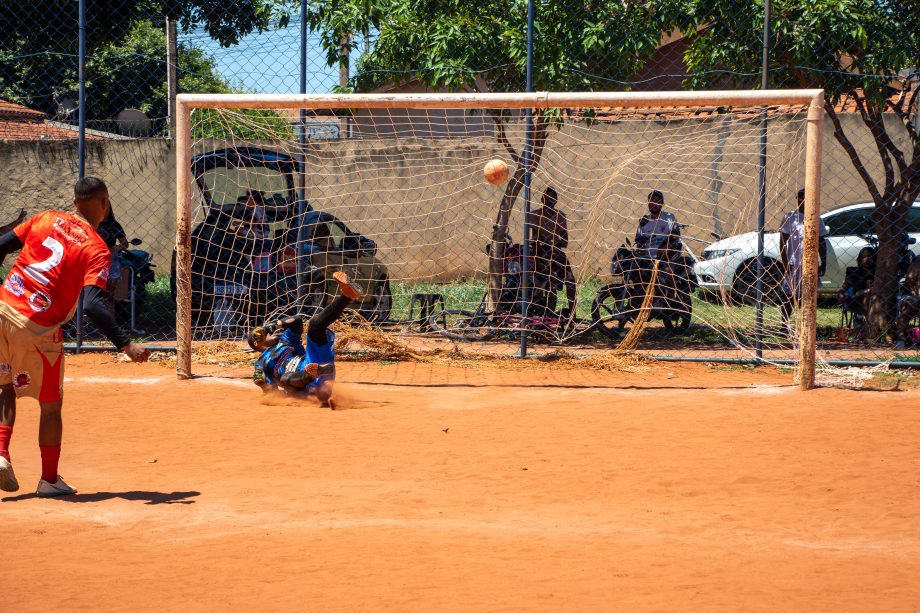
x: 728, y: 265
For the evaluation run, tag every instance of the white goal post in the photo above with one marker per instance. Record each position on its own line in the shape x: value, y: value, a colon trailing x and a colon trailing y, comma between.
x: 812, y: 98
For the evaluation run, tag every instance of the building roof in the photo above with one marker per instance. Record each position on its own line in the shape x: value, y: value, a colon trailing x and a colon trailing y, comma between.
x: 11, y: 110
x: 20, y: 123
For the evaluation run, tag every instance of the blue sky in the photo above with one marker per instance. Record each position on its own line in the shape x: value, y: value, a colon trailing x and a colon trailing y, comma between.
x: 269, y: 62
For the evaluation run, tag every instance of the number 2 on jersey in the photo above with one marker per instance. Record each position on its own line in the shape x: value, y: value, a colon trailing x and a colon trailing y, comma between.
x: 37, y: 270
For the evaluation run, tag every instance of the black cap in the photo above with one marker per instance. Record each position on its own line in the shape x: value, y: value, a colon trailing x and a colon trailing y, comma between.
x: 657, y: 195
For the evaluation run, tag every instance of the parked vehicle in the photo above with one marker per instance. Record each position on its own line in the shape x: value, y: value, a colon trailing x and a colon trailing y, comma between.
x: 326, y: 245
x: 728, y: 265
x: 618, y: 304
x: 245, y: 259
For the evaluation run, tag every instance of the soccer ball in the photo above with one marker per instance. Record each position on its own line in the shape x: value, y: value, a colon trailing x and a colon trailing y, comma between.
x: 495, y: 172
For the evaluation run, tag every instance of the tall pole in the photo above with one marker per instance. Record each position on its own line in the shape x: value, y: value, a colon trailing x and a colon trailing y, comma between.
x: 81, y: 137
x: 528, y: 158
x: 183, y: 242
x: 813, y: 153
x: 300, y: 209
x: 172, y: 69
x: 762, y: 183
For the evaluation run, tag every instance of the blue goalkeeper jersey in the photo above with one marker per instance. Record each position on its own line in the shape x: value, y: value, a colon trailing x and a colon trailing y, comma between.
x: 289, y: 355
x: 282, y: 357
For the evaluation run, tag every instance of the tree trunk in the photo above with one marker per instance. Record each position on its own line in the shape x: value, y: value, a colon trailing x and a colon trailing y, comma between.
x: 497, y: 246
x: 883, y: 303
x: 515, y: 184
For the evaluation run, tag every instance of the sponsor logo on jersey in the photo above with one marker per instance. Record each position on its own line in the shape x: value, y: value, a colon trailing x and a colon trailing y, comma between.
x: 22, y: 380
x: 104, y: 274
x: 5, y: 369
x: 14, y: 285
x: 70, y: 231
x: 40, y: 301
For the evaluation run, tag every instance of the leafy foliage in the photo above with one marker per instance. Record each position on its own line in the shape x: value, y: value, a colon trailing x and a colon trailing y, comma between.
x: 39, y: 47
x: 837, y: 45
x: 241, y: 125
x: 457, y: 45
x: 131, y: 73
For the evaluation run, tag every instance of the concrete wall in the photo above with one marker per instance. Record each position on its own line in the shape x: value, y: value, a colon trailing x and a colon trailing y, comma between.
x: 140, y: 175
x: 424, y: 201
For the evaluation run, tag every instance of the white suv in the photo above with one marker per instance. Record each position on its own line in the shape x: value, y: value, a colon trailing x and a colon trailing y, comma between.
x: 728, y: 265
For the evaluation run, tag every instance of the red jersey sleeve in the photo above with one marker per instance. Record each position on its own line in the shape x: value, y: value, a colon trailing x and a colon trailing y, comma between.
x: 22, y: 230
x: 97, y: 266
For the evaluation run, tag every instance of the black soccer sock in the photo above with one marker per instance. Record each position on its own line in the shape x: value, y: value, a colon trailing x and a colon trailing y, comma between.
x: 320, y: 322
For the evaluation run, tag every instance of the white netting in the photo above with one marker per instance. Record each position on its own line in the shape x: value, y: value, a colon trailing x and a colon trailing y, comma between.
x: 399, y: 202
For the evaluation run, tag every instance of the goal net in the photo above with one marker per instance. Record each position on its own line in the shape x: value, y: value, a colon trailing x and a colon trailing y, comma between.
x: 625, y: 221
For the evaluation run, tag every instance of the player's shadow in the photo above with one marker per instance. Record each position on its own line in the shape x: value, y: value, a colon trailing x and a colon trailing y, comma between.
x: 141, y: 496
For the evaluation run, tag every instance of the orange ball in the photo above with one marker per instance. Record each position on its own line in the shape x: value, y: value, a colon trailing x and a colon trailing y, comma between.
x: 496, y: 172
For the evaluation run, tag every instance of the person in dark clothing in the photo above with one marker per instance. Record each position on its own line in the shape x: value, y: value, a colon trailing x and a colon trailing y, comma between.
x: 857, y: 283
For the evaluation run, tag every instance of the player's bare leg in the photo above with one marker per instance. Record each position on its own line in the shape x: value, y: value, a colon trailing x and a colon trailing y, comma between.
x: 8, y: 482
x: 50, y: 432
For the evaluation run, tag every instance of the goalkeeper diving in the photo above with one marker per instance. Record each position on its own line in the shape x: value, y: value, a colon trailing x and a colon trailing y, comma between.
x: 287, y: 364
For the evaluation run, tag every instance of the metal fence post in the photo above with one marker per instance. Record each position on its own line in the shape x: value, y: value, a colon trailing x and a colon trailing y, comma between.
x: 172, y: 70
x: 301, y: 161
x: 81, y: 140
x: 528, y: 158
x: 762, y: 186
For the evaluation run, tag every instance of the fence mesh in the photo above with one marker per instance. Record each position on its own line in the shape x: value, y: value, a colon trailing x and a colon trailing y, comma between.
x: 871, y: 148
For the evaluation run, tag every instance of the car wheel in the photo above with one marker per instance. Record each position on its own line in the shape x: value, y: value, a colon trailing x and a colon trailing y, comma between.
x: 609, y: 313
x: 744, y: 286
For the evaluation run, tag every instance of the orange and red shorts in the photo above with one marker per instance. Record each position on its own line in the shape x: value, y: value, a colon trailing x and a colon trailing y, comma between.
x: 33, y: 363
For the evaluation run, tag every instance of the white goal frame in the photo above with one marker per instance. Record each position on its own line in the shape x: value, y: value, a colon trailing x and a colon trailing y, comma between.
x: 813, y: 98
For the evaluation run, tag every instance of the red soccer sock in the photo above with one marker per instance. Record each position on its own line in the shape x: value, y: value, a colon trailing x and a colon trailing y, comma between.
x: 6, y: 433
x: 50, y: 456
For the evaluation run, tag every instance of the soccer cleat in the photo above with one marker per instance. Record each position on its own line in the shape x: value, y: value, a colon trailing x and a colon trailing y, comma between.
x: 8, y: 482
x: 50, y: 490
x: 346, y: 286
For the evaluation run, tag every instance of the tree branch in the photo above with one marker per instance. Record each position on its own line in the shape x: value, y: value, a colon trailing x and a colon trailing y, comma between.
x: 883, y: 153
x: 503, y: 138
x: 540, y: 135
x: 852, y: 153
x: 881, y: 135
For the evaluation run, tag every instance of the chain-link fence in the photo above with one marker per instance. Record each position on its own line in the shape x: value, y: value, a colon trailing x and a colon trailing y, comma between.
x: 137, y: 54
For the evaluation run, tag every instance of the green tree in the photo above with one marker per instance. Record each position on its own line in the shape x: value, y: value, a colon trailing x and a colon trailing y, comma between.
x: 481, y: 46
x: 866, y: 50
x: 131, y: 73
x: 39, y: 40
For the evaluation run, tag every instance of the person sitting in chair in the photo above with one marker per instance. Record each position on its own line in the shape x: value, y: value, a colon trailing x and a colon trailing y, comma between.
x: 854, y: 295
x: 909, y: 307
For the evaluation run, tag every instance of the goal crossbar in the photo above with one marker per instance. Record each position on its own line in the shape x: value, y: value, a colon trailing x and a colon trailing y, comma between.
x: 812, y: 98
x: 529, y: 100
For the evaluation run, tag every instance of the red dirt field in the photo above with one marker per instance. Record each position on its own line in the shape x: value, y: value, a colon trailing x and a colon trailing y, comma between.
x: 438, y: 488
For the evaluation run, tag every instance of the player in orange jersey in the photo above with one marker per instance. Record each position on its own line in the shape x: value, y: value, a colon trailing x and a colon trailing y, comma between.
x: 61, y: 257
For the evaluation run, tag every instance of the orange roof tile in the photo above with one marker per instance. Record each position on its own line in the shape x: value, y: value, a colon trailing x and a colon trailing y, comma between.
x: 36, y: 130
x: 11, y: 109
